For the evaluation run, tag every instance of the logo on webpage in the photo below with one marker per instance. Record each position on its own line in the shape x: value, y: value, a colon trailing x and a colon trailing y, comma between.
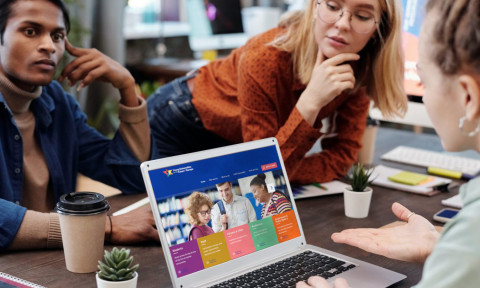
x: 167, y: 172
x: 170, y: 172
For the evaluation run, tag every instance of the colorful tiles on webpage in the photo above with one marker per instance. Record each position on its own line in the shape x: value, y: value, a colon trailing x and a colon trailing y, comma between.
x: 217, y: 248
x: 239, y: 241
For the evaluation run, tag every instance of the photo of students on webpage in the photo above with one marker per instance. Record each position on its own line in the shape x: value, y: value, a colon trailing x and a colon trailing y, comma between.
x: 199, y: 209
x: 232, y: 210
x: 190, y: 215
x: 275, y: 202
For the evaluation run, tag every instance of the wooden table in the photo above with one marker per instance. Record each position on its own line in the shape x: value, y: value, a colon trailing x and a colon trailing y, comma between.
x: 320, y: 217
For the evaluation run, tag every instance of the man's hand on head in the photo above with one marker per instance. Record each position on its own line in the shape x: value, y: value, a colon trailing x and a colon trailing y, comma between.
x: 91, y: 65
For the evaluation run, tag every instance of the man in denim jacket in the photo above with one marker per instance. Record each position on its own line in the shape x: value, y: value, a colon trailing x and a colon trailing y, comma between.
x: 45, y: 141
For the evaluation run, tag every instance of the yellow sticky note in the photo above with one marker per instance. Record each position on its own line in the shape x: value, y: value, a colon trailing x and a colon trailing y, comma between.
x: 409, y: 178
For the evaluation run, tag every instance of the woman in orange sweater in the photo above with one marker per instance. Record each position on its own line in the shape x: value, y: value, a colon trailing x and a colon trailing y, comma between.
x: 311, y: 77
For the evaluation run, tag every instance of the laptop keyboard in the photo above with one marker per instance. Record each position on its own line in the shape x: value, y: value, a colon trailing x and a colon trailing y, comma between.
x: 287, y: 272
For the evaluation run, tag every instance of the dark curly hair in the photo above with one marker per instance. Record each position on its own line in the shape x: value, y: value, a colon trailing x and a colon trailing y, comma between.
x: 259, y: 180
x: 195, y: 201
x: 456, y: 38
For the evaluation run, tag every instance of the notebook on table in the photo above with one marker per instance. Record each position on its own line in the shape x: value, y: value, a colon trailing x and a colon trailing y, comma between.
x: 270, y: 250
x: 384, y: 176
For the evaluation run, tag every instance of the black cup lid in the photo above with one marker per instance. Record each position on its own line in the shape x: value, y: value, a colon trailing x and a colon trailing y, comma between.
x: 82, y: 203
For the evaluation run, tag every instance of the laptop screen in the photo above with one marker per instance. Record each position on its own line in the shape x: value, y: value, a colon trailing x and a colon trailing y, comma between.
x: 218, y: 209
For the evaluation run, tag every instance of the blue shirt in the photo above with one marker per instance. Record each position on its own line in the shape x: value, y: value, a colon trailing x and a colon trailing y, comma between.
x: 70, y: 147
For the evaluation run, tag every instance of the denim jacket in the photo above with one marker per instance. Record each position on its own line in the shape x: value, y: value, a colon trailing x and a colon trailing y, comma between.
x: 69, y: 145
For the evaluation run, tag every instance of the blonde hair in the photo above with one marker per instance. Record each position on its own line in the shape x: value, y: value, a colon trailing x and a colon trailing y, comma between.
x: 380, y: 68
x: 195, y: 201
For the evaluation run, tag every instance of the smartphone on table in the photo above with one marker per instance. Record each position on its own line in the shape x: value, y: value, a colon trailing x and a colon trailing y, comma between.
x: 445, y: 215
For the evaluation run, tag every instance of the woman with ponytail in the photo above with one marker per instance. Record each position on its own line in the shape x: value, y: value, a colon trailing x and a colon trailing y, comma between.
x: 449, y: 68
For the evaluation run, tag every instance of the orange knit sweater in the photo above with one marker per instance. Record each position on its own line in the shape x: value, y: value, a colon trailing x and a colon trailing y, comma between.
x: 251, y: 94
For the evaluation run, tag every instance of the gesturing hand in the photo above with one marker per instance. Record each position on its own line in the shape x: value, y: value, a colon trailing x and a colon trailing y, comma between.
x: 413, y: 241
x: 90, y: 65
x: 330, y: 78
x: 134, y: 227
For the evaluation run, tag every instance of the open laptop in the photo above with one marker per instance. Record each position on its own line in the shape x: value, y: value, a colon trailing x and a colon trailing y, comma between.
x: 266, y: 246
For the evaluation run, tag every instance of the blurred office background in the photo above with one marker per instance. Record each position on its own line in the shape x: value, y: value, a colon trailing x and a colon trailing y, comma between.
x: 151, y: 38
x: 158, y: 40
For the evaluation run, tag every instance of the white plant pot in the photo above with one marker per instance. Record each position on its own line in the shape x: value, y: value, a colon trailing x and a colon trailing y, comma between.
x: 357, y: 204
x: 132, y: 283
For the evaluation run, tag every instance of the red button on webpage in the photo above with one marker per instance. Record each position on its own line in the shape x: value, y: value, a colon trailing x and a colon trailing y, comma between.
x: 269, y: 166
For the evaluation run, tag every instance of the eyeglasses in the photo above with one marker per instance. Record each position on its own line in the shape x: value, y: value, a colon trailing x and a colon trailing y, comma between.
x: 204, y: 213
x: 362, y: 21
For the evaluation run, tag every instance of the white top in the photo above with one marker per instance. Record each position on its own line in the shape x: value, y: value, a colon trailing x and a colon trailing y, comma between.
x: 239, y: 212
x: 455, y: 260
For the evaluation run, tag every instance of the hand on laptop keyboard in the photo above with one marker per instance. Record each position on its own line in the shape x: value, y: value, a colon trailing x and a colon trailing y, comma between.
x: 319, y: 282
x: 289, y: 271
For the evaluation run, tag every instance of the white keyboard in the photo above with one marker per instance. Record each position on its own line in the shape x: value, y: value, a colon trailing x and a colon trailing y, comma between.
x: 425, y: 158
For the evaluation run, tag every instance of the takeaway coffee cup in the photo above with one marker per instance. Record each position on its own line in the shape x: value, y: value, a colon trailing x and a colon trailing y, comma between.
x: 82, y: 222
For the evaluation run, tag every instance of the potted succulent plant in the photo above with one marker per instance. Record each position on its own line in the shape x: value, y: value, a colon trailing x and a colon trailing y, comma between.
x: 358, y: 195
x: 117, y: 271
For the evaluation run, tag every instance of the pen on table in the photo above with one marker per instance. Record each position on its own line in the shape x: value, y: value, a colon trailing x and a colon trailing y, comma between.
x: 320, y: 186
x: 297, y: 190
x: 448, y: 173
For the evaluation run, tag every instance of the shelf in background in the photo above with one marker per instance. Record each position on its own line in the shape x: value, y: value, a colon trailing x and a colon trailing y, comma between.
x: 156, y: 30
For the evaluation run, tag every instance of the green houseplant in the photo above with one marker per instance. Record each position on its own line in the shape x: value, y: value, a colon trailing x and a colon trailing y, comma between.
x: 116, y: 270
x: 359, y: 178
x: 358, y: 195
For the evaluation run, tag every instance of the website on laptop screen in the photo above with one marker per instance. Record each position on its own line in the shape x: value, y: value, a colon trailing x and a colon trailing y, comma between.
x: 218, y: 209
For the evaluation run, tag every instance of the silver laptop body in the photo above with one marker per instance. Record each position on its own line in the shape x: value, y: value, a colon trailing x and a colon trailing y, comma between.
x: 207, y: 261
